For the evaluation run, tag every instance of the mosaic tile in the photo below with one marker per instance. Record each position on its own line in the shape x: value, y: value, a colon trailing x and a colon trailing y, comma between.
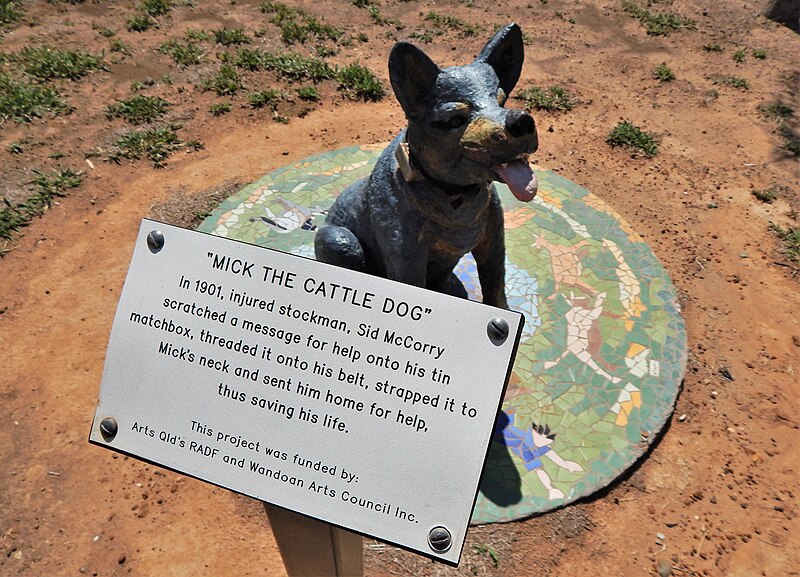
x: 603, y: 350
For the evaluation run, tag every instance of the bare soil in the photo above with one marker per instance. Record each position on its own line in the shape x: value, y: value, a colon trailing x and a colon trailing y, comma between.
x: 716, y: 496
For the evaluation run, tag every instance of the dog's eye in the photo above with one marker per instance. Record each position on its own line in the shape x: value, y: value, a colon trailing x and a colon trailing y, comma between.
x: 456, y: 121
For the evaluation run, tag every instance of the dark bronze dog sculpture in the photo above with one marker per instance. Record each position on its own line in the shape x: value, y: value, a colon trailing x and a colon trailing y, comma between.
x: 430, y: 198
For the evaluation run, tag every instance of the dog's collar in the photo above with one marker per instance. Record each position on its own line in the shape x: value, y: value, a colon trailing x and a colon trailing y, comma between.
x: 408, y: 170
x: 411, y: 172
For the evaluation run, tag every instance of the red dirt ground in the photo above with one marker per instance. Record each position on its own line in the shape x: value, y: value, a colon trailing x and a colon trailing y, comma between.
x: 716, y: 496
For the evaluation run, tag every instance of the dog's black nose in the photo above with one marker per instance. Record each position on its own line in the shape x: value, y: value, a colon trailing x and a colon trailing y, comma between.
x: 519, y: 123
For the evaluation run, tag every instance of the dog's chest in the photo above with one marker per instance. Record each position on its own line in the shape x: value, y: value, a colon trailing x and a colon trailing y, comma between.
x: 453, y: 226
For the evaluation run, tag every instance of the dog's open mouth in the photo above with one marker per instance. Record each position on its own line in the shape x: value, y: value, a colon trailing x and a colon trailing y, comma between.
x: 519, y: 177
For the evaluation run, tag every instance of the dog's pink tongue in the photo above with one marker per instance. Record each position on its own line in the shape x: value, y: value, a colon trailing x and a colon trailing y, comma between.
x: 519, y: 177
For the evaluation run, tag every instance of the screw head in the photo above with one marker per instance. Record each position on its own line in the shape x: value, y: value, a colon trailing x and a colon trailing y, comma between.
x: 108, y: 428
x: 155, y: 241
x: 439, y: 539
x: 497, y: 329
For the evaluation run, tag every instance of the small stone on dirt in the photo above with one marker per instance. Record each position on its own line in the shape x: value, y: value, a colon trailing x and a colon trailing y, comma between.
x: 664, y: 568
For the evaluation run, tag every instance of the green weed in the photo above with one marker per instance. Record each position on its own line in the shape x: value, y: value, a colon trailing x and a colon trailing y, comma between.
x: 231, y: 36
x: 657, y: 24
x: 246, y: 58
x: 443, y: 21
x: 10, y: 12
x: 220, y: 108
x: 776, y: 111
x: 15, y: 217
x: 551, y: 99
x: 197, y: 35
x: 490, y: 551
x: 712, y: 48
x: 138, y: 109
x: 308, y: 93
x: 225, y: 83
x: 155, y: 144
x: 759, y: 53
x: 791, y: 140
x: 298, y: 25
x: 103, y: 31
x: 140, y: 23
x: 265, y: 98
x: 358, y: 82
x: 22, y: 102
x: 119, y: 46
x: 15, y: 148
x: 182, y: 53
x: 296, y: 67
x: 768, y: 195
x: 791, y: 240
x: 380, y: 20
x: 47, y: 63
x: 736, y: 82
x: 156, y: 8
x: 663, y: 73
x: 641, y: 143
x: 740, y: 55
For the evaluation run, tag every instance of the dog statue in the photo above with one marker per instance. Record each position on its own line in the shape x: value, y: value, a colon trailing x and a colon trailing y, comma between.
x: 430, y: 198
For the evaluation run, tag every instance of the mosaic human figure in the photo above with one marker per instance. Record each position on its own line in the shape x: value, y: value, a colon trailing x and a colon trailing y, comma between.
x: 566, y: 263
x: 533, y: 444
x: 582, y: 334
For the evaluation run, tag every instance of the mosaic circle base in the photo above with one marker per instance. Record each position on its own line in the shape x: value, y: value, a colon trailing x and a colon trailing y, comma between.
x: 603, y: 350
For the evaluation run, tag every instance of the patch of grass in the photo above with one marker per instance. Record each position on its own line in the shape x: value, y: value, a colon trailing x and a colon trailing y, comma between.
x: 551, y: 99
x: 103, y: 31
x: 47, y: 63
x: 629, y: 136
x: 791, y: 240
x: 663, y: 73
x: 297, y: 67
x: 358, y: 82
x: 138, y: 109
x: 155, y: 144
x: 308, y: 93
x: 156, y: 8
x: 140, y: 23
x: 119, y: 46
x: 657, y: 23
x: 297, y: 25
x: 220, y: 108
x: 268, y: 98
x: 443, y: 21
x: 768, y: 195
x: 791, y: 140
x: 22, y: 102
x: 740, y: 55
x: 380, y: 20
x: 182, y: 53
x: 759, y: 53
x: 247, y: 58
x: 197, y: 35
x: 226, y: 81
x: 15, y: 217
x: 231, y: 36
x: 10, y: 12
x: 736, y: 82
x: 712, y: 47
x: 776, y: 111
x: 15, y: 148
x: 490, y: 551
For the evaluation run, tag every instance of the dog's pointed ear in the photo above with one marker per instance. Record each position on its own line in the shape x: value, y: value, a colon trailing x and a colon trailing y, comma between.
x: 413, y: 75
x: 505, y: 53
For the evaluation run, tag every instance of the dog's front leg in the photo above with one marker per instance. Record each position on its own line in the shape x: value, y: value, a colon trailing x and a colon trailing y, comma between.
x: 490, y: 256
x: 405, y: 260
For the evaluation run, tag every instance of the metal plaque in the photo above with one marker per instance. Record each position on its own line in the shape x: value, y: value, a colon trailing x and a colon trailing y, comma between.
x: 352, y: 399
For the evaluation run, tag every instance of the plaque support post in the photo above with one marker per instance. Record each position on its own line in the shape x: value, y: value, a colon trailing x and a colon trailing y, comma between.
x: 312, y: 548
